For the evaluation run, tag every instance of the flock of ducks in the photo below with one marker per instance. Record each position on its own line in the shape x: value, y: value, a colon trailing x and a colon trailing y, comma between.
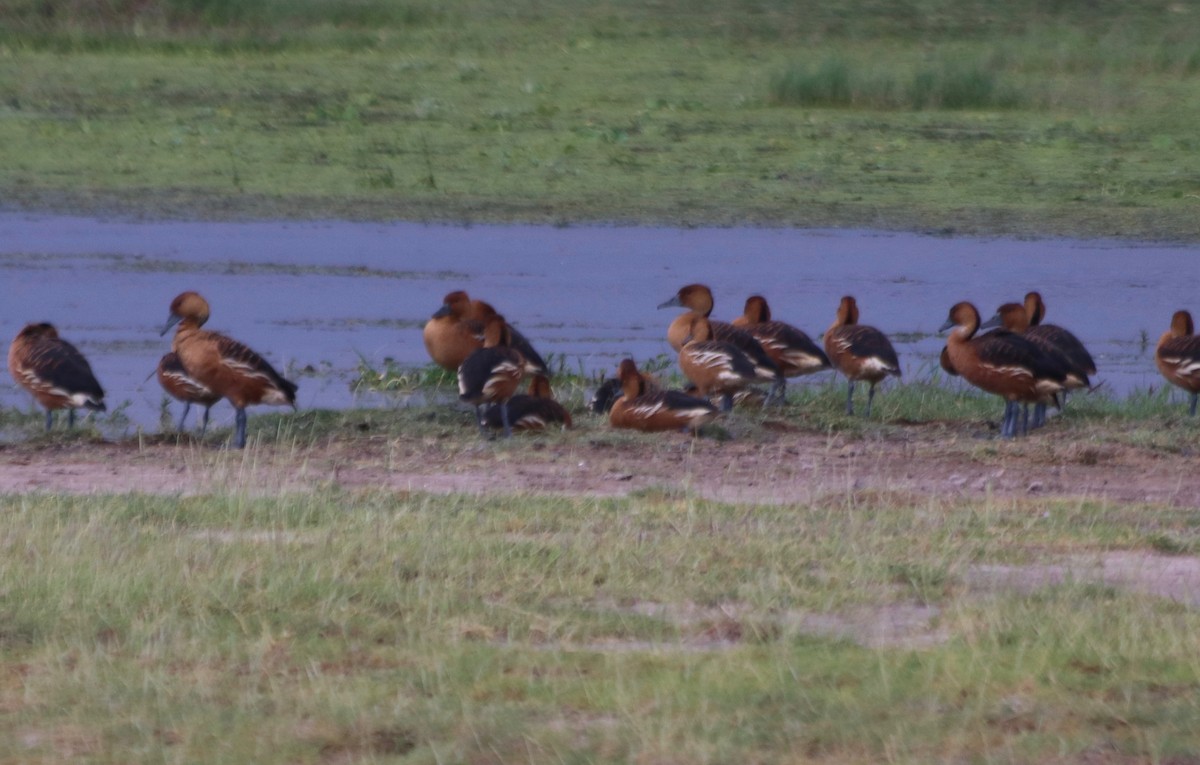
x: 1022, y: 360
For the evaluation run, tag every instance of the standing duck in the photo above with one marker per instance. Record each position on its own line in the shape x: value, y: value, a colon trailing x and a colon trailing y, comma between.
x: 792, y: 350
x: 223, y: 365
x: 1178, y: 356
x: 698, y: 299
x: 641, y: 407
x: 1001, y: 362
x: 1014, y: 317
x: 534, y: 364
x: 717, y: 367
x: 859, y: 352
x: 54, y: 371
x: 183, y: 387
x: 1067, y: 343
x: 491, y: 374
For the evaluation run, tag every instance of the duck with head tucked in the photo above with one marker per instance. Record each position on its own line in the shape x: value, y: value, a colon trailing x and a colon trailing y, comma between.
x: 54, y: 371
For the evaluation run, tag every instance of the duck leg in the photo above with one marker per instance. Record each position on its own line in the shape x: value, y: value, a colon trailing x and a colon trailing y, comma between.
x: 1192, y: 408
x: 870, y: 397
x: 479, y: 420
x: 1008, y: 427
x: 727, y: 402
x: 49, y: 419
x: 1039, y: 414
x: 187, y: 406
x: 241, y: 428
x: 850, y: 398
x: 778, y: 391
x: 71, y: 419
x: 504, y: 418
x: 204, y: 422
x: 1025, y: 419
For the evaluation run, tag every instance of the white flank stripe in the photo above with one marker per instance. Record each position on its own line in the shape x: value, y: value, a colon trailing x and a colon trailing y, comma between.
x: 799, y: 359
x: 245, y: 369
x: 710, y: 358
x: 1012, y: 371
x: 876, y: 364
x: 646, y: 410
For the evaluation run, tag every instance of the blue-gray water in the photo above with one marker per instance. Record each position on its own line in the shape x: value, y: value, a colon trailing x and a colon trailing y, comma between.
x: 319, y: 295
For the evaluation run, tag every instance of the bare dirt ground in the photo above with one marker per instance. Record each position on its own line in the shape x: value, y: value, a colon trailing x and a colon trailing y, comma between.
x: 779, y: 465
x: 784, y: 465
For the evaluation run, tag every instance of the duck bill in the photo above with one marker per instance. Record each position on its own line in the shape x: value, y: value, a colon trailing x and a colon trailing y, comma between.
x: 672, y: 303
x: 995, y: 321
x: 172, y: 320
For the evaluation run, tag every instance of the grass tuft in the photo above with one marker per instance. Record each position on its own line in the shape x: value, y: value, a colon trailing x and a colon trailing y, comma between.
x: 836, y: 82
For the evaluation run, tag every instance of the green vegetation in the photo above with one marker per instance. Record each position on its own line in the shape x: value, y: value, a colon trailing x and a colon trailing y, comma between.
x: 371, y: 627
x: 1025, y: 117
x: 341, y: 626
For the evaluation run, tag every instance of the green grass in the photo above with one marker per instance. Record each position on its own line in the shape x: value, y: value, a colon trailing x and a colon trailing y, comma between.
x: 406, y: 628
x: 1065, y: 119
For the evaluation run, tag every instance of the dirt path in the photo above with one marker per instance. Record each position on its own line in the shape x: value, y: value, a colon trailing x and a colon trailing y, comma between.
x: 782, y: 467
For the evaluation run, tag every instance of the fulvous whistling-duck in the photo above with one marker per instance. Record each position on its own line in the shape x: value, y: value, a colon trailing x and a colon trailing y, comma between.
x: 491, y: 374
x: 534, y: 364
x: 859, y: 352
x: 222, y: 364
x: 944, y: 361
x: 792, y: 350
x: 717, y: 367
x: 451, y: 335
x: 455, y: 331
x: 612, y: 389
x: 1001, y: 362
x: 533, y: 411
x: 606, y: 394
x: 1070, y: 345
x: 1014, y: 317
x: 640, y: 407
x: 54, y: 371
x: 698, y: 299
x: 183, y: 387
x: 1178, y: 356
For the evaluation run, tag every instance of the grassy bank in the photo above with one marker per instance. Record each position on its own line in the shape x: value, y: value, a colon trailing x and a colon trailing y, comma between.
x: 953, y: 117
x: 347, y: 627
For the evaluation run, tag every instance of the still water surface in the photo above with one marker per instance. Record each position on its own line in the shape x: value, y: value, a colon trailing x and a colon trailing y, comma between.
x: 318, y: 296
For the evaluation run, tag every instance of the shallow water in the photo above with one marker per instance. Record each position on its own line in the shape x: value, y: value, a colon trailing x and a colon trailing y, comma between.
x: 315, y: 297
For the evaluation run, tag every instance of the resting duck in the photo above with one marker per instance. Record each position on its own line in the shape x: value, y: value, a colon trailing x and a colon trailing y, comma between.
x: 536, y: 410
x: 641, y: 408
x: 54, y: 371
